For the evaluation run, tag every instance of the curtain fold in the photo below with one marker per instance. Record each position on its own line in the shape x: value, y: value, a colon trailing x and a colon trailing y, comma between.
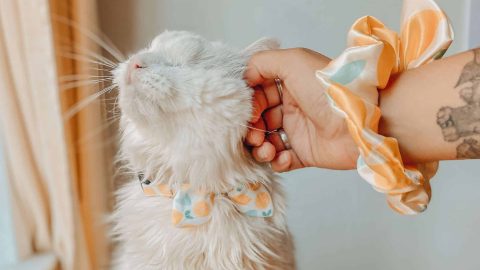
x: 58, y: 168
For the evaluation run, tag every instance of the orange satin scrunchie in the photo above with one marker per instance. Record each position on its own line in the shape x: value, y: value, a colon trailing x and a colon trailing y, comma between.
x: 352, y: 82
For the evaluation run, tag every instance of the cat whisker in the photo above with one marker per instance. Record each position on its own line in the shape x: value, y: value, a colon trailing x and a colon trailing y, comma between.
x: 77, y: 77
x: 114, y: 117
x: 86, y: 101
x: 101, y: 70
x: 76, y: 84
x: 83, y: 59
x: 259, y: 129
x: 96, y: 56
x: 115, y: 104
x: 93, y: 37
x: 83, y: 54
x: 111, y: 45
x: 110, y: 99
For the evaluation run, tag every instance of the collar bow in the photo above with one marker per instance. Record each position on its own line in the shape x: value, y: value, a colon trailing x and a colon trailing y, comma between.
x: 193, y: 207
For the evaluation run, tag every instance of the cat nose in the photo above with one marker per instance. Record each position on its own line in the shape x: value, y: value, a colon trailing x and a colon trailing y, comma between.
x: 137, y: 64
x: 134, y: 64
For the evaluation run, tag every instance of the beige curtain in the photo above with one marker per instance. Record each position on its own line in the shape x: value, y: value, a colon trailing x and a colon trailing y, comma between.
x: 59, y: 171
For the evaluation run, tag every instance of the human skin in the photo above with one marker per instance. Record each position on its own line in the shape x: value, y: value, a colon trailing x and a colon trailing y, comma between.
x: 433, y: 111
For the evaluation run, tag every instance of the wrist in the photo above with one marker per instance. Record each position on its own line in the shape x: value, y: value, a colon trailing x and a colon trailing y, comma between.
x: 412, y: 126
x: 411, y: 104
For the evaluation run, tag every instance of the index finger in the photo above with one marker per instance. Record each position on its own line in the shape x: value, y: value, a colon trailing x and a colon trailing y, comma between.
x: 260, y: 103
x: 265, y: 65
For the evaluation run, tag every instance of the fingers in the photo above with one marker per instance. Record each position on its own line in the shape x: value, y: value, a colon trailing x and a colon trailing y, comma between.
x: 274, y: 152
x: 273, y: 118
x: 256, y: 135
x: 260, y: 103
x: 271, y: 93
x: 282, y: 161
x: 286, y: 161
x: 264, y: 153
x: 274, y: 138
x: 265, y: 65
x: 262, y: 69
x: 257, y: 139
x: 264, y: 99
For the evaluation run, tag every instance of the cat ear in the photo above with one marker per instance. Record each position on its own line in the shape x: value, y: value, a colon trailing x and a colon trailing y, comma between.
x: 262, y: 45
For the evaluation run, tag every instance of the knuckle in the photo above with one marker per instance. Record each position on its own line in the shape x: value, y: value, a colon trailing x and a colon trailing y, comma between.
x: 254, y: 58
x: 300, y: 51
x: 260, y: 54
x: 299, y: 56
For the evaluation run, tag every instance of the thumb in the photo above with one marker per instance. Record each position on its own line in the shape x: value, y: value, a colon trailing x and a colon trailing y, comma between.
x: 266, y: 65
x: 286, y: 161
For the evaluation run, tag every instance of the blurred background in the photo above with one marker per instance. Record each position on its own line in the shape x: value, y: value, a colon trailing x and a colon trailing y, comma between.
x: 56, y: 154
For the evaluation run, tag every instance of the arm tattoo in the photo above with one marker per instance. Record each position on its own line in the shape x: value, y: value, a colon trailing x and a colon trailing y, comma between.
x: 464, y: 122
x: 468, y: 149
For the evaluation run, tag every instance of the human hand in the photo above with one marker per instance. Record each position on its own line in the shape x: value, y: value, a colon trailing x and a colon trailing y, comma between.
x: 318, y: 137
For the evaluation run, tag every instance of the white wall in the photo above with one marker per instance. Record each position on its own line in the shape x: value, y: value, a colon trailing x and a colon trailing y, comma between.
x: 316, y: 24
x: 473, y: 21
x: 337, y: 220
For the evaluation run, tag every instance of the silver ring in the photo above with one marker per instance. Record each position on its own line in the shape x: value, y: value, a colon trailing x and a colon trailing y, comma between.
x: 278, y: 83
x: 284, y: 138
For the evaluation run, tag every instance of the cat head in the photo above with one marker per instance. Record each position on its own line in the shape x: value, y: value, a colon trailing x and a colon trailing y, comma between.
x: 185, y: 106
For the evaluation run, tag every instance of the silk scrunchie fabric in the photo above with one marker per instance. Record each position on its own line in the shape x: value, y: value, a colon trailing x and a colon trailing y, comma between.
x: 352, y: 82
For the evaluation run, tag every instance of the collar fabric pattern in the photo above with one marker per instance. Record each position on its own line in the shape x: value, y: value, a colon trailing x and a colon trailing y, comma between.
x: 352, y: 82
x: 193, y: 207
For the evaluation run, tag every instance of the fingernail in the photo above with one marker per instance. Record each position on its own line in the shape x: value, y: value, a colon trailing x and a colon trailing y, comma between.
x: 263, y: 154
x: 283, y: 159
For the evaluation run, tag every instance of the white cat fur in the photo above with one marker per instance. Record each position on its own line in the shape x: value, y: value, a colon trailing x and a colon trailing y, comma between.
x: 183, y: 118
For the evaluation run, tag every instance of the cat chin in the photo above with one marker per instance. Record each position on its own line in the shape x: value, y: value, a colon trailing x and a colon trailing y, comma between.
x: 173, y: 158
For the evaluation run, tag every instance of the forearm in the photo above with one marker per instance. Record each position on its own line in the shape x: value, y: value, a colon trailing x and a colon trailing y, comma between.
x: 434, y: 111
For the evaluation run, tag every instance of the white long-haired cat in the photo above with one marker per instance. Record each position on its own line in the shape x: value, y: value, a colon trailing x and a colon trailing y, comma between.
x: 184, y: 113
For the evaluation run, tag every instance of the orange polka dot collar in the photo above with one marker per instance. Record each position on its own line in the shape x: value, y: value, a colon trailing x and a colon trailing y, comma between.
x: 352, y: 82
x: 193, y: 207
